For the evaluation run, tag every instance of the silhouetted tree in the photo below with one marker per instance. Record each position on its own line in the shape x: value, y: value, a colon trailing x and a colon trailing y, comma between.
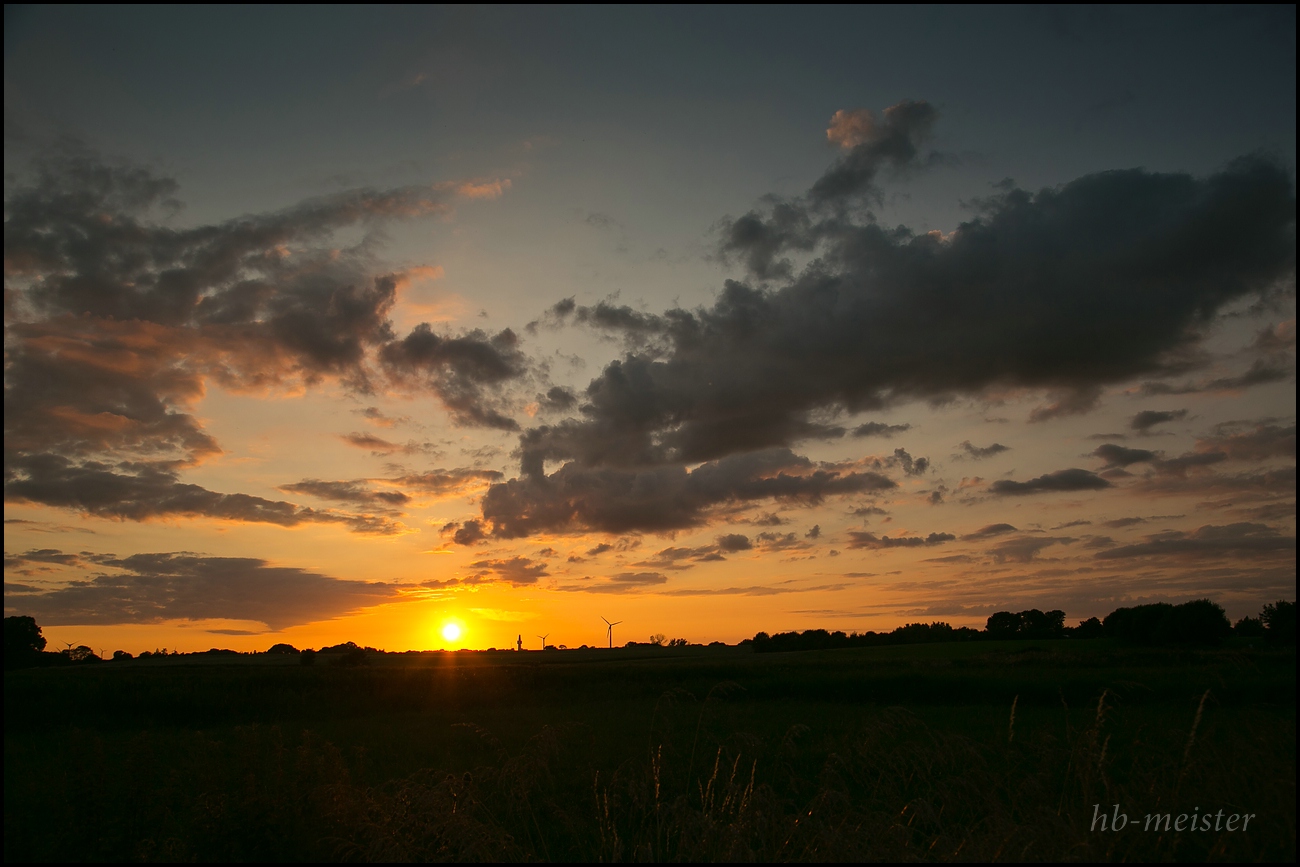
x: 1249, y: 627
x: 1090, y: 628
x: 1197, y: 622
x: 1137, y: 624
x: 282, y: 648
x: 80, y: 654
x: 1278, y: 617
x: 23, y: 642
x: 1003, y: 624
x: 307, y: 657
x: 121, y: 656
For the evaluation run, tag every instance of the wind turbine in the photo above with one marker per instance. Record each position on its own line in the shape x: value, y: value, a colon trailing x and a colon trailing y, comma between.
x: 609, y: 631
x: 543, y: 638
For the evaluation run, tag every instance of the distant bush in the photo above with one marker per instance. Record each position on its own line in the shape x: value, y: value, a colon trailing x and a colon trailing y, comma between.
x: 1197, y: 622
x: 1279, y: 619
x: 1090, y: 628
x: 1249, y: 627
x: 23, y: 642
x: 1030, y: 624
x: 282, y: 648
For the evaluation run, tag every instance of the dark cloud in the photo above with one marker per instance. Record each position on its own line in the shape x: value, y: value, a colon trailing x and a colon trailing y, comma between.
x: 1149, y: 418
x: 557, y: 399
x: 732, y: 542
x: 814, y: 533
x: 858, y: 539
x: 661, y: 497
x: 459, y: 369
x: 911, y: 466
x: 469, y: 534
x: 878, y: 429
x: 1121, y: 456
x: 1013, y: 298
x: 1237, y: 540
x: 1062, y: 480
x: 148, y: 588
x: 979, y: 453
x: 144, y: 491
x: 988, y: 532
x: 518, y: 571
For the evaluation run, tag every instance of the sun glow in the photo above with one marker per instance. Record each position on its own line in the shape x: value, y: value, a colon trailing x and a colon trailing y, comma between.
x: 451, y: 631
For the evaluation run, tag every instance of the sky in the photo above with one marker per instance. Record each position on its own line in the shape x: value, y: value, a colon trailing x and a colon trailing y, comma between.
x: 351, y: 323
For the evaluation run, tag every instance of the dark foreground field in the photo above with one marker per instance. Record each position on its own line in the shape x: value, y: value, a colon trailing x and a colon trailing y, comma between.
x: 980, y: 751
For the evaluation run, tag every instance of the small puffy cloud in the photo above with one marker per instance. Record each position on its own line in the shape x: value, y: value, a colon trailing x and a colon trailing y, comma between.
x: 732, y: 542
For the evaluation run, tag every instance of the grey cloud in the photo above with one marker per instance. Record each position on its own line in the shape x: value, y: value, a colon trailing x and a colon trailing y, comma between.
x: 1261, y: 372
x: 378, y: 445
x: 1078, y: 399
x: 732, y: 542
x: 356, y: 491
x: 144, y: 491
x: 1149, y: 418
x: 444, y: 481
x: 858, y: 539
x: 148, y: 588
x: 1021, y: 549
x: 459, y: 368
x: 1121, y: 456
x: 879, y: 429
x: 1237, y: 540
x: 988, y: 532
x: 557, y: 399
x: 468, y: 534
x: 1264, y: 441
x: 911, y: 466
x: 979, y: 453
x: 1073, y: 479
x: 519, y: 571
x: 661, y: 497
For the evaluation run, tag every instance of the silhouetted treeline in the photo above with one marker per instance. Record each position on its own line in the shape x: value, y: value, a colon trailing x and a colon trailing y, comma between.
x: 1199, y: 622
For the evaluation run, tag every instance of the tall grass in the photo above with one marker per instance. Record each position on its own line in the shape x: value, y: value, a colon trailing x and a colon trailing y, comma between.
x: 671, y: 777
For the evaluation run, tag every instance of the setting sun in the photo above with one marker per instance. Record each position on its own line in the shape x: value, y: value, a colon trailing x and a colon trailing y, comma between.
x: 451, y: 631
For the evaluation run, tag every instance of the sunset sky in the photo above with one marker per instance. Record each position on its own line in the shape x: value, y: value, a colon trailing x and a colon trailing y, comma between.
x: 346, y: 324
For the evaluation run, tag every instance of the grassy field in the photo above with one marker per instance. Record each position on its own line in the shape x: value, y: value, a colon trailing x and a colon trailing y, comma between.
x: 981, y: 750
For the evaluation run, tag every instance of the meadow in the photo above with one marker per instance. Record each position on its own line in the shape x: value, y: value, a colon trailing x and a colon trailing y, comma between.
x: 962, y: 751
